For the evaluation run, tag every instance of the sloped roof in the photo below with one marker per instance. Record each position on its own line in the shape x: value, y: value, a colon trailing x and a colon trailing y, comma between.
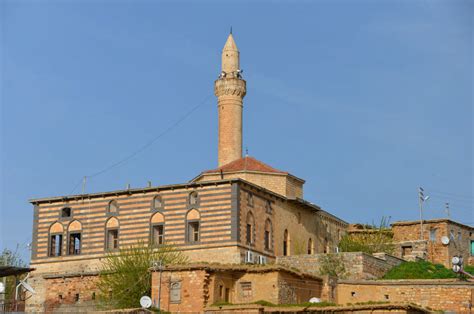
x: 246, y: 164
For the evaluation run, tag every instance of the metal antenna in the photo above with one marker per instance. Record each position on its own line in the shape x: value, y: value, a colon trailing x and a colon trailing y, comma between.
x: 447, y: 210
x: 84, y: 184
x: 231, y: 30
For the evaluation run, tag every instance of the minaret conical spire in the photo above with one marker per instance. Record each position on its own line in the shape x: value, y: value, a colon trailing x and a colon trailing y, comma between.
x: 230, y: 56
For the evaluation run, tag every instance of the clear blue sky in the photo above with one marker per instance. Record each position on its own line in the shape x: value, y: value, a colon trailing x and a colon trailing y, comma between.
x: 365, y: 100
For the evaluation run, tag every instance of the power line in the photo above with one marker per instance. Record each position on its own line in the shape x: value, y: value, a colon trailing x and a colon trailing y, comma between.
x: 144, y: 147
x: 451, y: 194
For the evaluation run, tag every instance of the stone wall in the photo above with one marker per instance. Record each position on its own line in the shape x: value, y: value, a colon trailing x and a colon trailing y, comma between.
x: 446, y: 295
x: 357, y: 265
x: 192, y: 288
x: 407, y: 237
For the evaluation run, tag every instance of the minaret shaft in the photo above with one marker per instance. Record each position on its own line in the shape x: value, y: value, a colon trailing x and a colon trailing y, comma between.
x: 230, y: 90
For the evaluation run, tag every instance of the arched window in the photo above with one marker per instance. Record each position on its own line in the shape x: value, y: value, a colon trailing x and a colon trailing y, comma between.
x: 112, y: 207
x: 74, y: 238
x: 112, y: 234
x: 157, y: 229
x: 250, y: 229
x: 310, y: 246
x: 66, y: 212
x: 157, y: 203
x: 193, y: 219
x: 193, y: 198
x: 56, y: 239
x: 286, y: 243
x: 268, y: 235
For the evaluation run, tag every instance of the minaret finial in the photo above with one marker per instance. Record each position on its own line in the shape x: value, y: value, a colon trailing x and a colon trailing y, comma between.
x: 231, y: 29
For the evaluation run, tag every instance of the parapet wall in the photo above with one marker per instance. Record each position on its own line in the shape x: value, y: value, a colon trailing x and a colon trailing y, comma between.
x: 357, y: 265
x: 438, y: 294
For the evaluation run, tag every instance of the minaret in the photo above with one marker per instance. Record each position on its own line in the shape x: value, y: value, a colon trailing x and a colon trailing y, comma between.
x: 230, y: 90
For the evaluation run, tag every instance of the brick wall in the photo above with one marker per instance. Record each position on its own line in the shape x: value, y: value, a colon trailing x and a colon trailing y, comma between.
x: 446, y: 295
x: 357, y: 265
x: 71, y: 294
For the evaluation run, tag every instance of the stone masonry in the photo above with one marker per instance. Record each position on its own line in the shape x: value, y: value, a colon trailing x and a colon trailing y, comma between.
x: 445, y: 295
x: 357, y: 265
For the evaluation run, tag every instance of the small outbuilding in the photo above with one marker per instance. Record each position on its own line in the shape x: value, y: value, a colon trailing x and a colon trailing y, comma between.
x: 186, y: 288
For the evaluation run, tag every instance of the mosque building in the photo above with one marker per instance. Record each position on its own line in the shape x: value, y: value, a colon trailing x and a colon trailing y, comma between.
x: 243, y: 211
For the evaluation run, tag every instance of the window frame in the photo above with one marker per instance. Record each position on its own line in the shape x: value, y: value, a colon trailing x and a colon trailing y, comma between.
x: 189, y: 224
x: 155, y: 208
x: 61, y: 212
x: 117, y: 207
x: 193, y: 195
x: 69, y: 235
x: 153, y: 226
x: 107, y: 240
x: 50, y: 244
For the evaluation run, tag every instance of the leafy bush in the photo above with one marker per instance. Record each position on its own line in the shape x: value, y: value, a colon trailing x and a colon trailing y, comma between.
x: 369, y: 239
x: 125, y: 275
x: 419, y: 270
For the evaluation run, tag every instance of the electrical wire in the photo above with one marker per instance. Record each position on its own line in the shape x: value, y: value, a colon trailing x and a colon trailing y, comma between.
x: 144, y: 147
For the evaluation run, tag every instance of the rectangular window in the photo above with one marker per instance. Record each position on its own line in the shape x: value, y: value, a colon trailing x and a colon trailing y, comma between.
x: 433, y: 234
x: 55, y: 245
x: 406, y: 250
x: 246, y: 289
x: 193, y: 232
x: 158, y: 234
x: 112, y: 239
x: 267, y: 240
x: 459, y: 236
x: 74, y: 244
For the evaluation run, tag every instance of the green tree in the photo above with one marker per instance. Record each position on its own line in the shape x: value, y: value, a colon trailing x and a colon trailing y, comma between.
x: 125, y: 275
x: 11, y: 258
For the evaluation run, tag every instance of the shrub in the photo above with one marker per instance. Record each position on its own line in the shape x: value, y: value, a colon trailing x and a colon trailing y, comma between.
x: 419, y: 270
x: 369, y: 239
x: 125, y: 275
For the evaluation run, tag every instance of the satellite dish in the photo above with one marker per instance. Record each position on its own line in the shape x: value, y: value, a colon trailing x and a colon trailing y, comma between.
x: 456, y: 260
x: 456, y: 268
x: 2, y: 287
x: 27, y: 287
x: 445, y: 240
x: 314, y: 300
x: 145, y: 302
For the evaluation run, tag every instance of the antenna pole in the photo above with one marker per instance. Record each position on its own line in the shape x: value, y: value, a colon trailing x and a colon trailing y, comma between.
x: 159, y: 291
x: 447, y: 211
x: 421, y: 198
x: 84, y: 184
